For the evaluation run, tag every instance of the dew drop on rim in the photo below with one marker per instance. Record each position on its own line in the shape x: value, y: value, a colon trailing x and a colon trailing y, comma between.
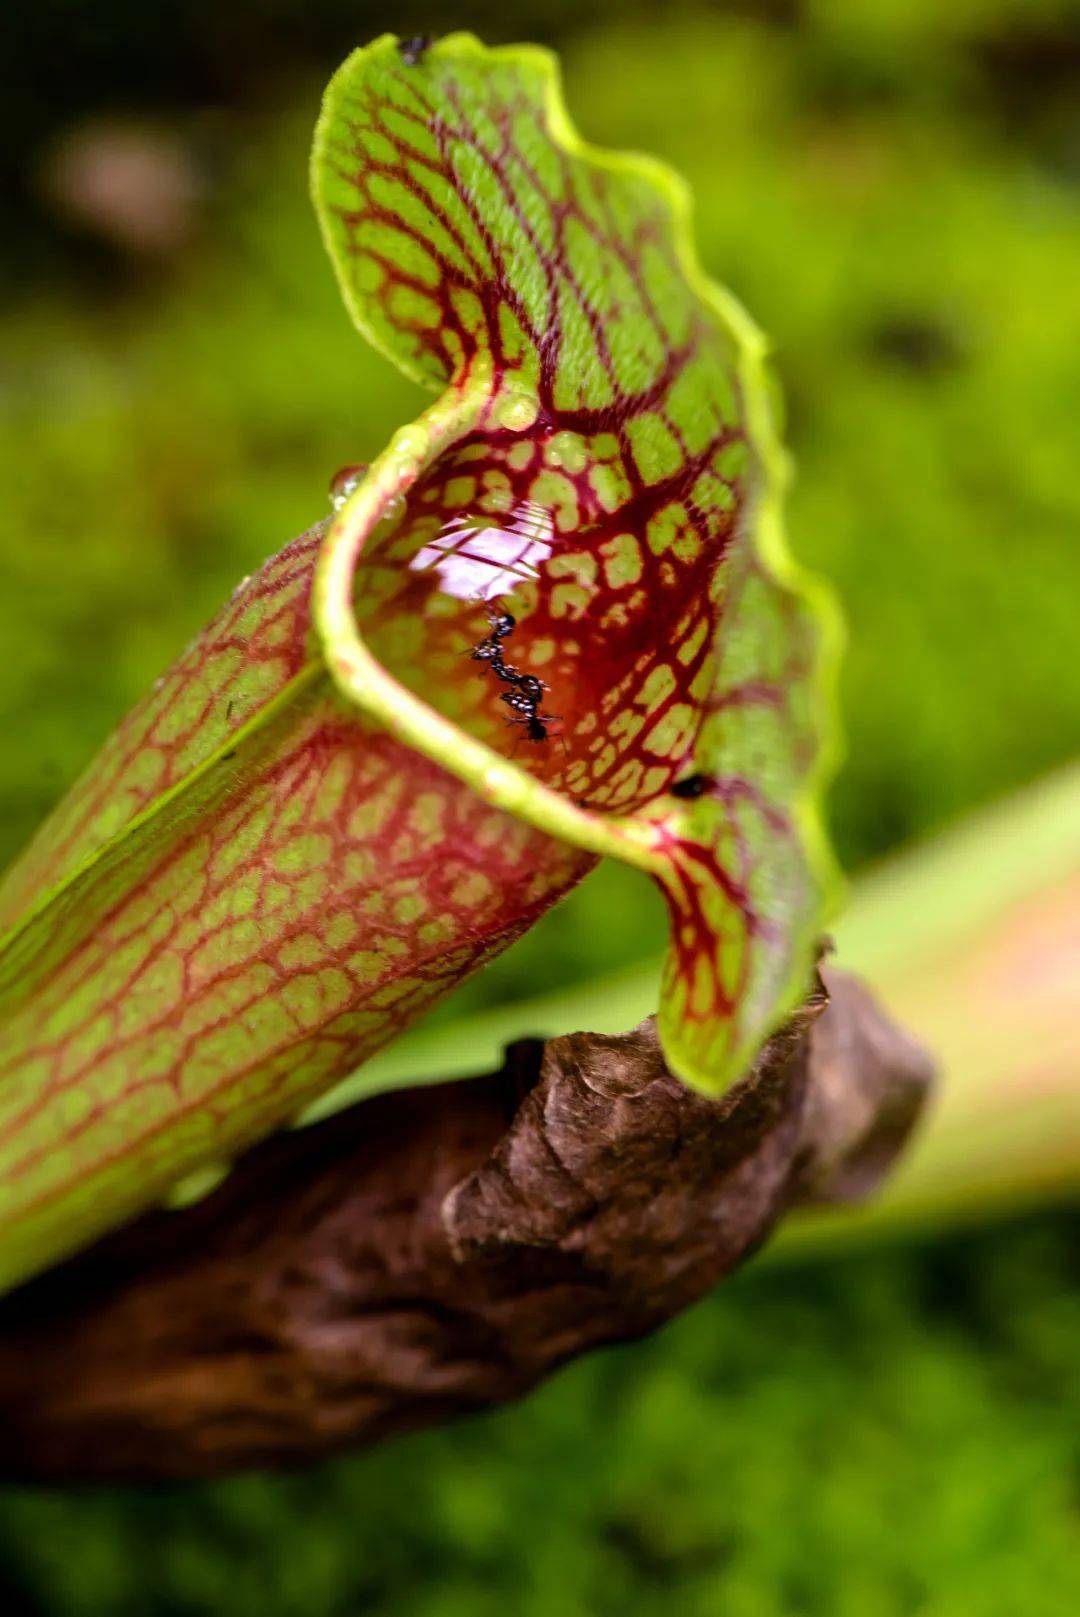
x: 345, y: 483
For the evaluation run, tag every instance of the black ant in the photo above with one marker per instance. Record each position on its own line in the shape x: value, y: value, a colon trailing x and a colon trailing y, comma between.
x: 490, y: 650
x: 526, y: 704
x: 535, y: 725
x: 414, y: 50
x: 529, y: 686
x: 691, y: 786
x: 526, y: 691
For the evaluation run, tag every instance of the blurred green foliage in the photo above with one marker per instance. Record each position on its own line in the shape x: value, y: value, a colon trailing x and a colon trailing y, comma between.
x: 891, y: 187
x: 864, y: 181
x: 868, y: 1439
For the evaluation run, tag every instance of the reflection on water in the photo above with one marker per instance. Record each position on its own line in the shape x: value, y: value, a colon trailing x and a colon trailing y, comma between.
x: 481, y: 563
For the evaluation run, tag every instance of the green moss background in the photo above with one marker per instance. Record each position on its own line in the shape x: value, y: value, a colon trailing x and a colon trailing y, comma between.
x: 892, y: 188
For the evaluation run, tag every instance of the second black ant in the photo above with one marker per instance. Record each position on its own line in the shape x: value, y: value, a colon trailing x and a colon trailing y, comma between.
x: 526, y: 691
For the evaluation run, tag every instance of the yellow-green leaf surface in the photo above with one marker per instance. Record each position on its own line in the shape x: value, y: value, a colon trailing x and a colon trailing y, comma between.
x: 554, y: 620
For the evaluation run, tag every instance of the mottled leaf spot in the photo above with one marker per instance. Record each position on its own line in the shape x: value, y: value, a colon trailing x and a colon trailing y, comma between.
x: 473, y: 888
x: 657, y: 451
x: 659, y: 685
x: 426, y: 815
x: 306, y: 949
x: 622, y: 561
x: 304, y: 853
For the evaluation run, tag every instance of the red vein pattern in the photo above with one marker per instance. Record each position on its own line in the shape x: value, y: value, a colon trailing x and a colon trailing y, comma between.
x: 327, y: 887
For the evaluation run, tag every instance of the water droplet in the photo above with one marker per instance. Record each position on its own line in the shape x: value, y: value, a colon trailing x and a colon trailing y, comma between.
x: 566, y: 451
x: 344, y: 483
x: 517, y: 411
x: 392, y: 510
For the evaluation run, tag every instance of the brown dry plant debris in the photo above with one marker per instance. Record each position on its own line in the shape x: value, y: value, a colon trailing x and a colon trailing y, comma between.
x: 436, y: 1251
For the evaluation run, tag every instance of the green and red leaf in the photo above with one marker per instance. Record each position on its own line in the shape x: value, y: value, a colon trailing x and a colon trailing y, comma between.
x: 321, y: 819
